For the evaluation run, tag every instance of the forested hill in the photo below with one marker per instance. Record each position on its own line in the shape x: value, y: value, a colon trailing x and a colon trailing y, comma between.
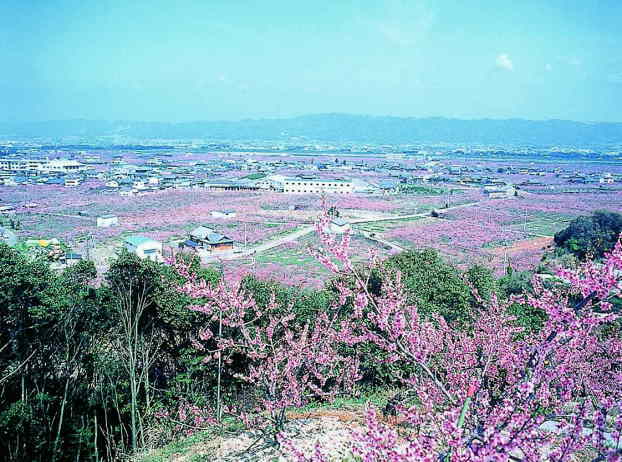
x: 337, y: 128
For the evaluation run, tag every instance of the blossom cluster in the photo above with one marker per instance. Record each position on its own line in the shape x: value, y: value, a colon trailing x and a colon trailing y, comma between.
x: 287, y: 362
x: 491, y: 392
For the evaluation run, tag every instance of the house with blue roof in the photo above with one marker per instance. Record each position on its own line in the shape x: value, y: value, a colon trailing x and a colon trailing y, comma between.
x: 144, y: 247
x: 206, y: 238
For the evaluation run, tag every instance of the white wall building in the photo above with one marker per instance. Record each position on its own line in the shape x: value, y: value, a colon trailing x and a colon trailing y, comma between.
x: 105, y: 221
x: 223, y: 213
x: 144, y: 247
x: 499, y: 192
x: 316, y: 186
x: 42, y: 165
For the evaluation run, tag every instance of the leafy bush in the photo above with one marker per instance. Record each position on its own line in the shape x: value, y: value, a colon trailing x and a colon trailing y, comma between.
x: 591, y: 236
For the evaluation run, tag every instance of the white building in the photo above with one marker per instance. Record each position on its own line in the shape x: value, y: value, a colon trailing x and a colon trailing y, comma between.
x: 223, y: 213
x: 62, y: 166
x: 144, y: 247
x: 499, y: 192
x: 105, y: 221
x: 42, y: 165
x: 72, y: 182
x: 316, y: 186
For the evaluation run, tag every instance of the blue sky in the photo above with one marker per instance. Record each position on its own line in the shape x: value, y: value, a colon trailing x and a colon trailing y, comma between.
x: 231, y: 59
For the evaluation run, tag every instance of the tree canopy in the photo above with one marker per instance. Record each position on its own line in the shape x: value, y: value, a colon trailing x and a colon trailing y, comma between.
x: 591, y: 236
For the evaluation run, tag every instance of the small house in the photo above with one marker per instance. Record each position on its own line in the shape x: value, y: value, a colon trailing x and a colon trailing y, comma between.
x: 8, y: 237
x: 72, y: 182
x: 105, y: 221
x: 144, y: 247
x: 223, y: 213
x: 210, y: 240
x: 70, y: 258
x: 499, y: 192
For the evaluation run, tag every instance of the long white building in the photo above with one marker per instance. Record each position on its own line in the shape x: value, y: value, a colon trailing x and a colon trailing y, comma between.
x: 41, y: 165
x: 316, y: 186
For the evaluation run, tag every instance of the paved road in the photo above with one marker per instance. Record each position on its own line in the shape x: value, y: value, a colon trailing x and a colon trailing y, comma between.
x: 263, y: 247
x: 63, y: 215
x: 291, y: 237
x: 374, y: 237
x: 404, y: 217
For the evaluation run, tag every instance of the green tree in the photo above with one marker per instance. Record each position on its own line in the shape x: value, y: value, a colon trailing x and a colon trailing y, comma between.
x: 433, y: 285
x: 305, y: 303
x: 518, y: 283
x: 49, y: 323
x: 482, y: 280
x: 591, y: 236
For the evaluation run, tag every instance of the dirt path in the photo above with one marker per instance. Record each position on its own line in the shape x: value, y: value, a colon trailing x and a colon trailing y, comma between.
x: 291, y: 237
x: 537, y: 243
x: 415, y: 215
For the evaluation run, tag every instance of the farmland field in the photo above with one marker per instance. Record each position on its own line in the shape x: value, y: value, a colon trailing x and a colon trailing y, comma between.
x: 467, y: 226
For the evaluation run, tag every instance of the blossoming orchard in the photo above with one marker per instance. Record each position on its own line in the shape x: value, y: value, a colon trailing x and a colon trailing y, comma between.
x: 491, y: 391
x: 418, y: 304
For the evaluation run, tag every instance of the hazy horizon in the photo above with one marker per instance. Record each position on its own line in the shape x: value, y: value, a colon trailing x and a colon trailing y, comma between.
x: 229, y: 61
x: 316, y: 114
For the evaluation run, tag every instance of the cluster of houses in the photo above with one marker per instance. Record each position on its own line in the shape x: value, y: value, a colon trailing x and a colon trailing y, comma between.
x: 30, y: 171
x: 200, y: 239
x: 244, y: 172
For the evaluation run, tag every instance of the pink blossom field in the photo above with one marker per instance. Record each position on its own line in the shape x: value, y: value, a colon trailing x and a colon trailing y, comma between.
x: 68, y: 213
x: 490, y: 232
x: 493, y: 227
x: 292, y: 263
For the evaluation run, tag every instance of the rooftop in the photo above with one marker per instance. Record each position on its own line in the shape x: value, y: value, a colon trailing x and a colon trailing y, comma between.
x: 319, y: 180
x: 139, y: 240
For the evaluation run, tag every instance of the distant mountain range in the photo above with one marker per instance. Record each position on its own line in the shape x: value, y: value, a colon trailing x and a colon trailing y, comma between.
x: 335, y: 128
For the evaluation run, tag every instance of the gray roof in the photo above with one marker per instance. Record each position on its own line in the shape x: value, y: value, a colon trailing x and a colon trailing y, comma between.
x: 209, y: 235
x: 201, y: 232
x: 216, y: 238
x: 318, y: 180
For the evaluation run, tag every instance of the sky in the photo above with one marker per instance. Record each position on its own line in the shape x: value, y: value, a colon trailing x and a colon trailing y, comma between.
x: 182, y: 60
